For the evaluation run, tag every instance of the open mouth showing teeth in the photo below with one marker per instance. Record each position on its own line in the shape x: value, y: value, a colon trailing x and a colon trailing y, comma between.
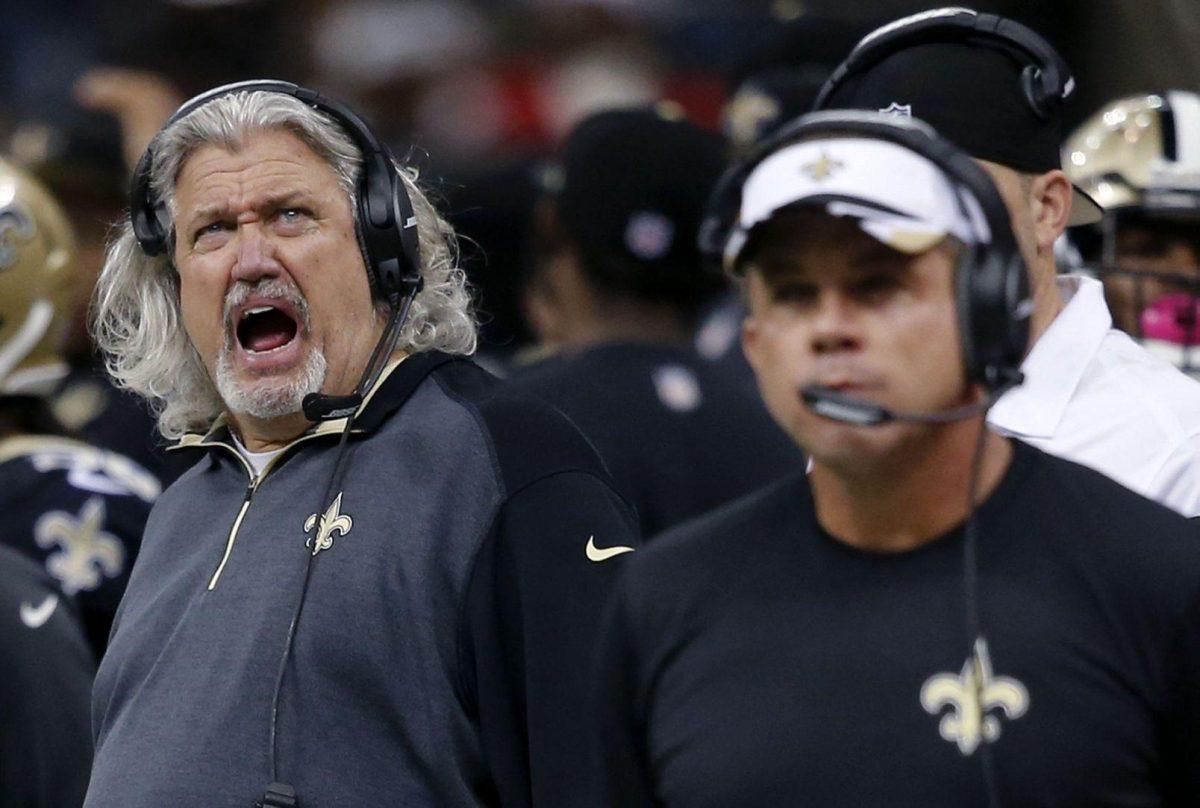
x: 265, y: 328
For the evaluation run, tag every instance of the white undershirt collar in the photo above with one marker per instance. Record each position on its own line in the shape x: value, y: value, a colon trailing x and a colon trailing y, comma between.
x: 257, y: 460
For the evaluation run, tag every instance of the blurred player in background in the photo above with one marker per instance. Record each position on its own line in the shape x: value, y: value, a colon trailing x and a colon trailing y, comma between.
x: 761, y: 103
x: 1139, y: 157
x: 615, y: 294
x: 76, y: 150
x: 76, y: 509
x: 45, y: 690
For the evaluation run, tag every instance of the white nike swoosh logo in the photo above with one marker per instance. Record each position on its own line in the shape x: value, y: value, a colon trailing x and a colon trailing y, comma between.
x: 36, y: 616
x: 595, y: 553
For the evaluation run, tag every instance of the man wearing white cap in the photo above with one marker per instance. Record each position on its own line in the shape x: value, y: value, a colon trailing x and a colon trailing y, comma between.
x: 936, y: 615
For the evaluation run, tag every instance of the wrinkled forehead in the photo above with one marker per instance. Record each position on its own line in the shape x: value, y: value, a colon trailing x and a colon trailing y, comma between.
x: 271, y: 163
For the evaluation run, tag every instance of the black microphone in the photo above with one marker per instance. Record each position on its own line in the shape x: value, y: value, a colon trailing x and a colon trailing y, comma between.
x: 320, y: 407
x: 829, y: 403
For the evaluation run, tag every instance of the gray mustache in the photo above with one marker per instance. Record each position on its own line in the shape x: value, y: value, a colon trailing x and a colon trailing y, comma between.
x: 267, y: 287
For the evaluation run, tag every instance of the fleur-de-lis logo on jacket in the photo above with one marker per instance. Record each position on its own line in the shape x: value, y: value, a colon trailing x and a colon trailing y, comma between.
x: 971, y: 696
x: 332, y: 521
x: 86, y: 551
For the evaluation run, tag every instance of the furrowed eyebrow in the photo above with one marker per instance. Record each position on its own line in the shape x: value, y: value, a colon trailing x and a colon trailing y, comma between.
x: 269, y: 201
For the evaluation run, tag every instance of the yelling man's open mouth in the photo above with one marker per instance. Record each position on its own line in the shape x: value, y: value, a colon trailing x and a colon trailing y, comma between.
x: 266, y: 324
x: 265, y: 328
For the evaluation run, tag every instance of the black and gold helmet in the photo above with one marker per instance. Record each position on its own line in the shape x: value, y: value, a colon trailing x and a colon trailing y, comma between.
x: 1139, y: 157
x: 37, y: 253
x: 1142, y: 152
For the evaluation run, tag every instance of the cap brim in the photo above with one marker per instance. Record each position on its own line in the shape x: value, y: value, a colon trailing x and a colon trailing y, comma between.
x: 1084, y: 209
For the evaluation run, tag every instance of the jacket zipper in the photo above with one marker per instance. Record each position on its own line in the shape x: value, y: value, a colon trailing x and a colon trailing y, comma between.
x: 255, y: 480
x: 237, y: 523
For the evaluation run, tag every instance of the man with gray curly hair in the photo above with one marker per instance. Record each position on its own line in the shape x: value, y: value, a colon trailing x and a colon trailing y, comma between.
x: 290, y: 303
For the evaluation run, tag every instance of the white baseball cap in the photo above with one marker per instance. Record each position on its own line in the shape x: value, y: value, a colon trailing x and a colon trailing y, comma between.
x: 899, y: 196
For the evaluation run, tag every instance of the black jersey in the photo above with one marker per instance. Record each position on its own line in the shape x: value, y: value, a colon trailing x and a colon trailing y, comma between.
x: 45, y: 685
x: 678, y: 435
x: 752, y: 659
x: 79, y: 511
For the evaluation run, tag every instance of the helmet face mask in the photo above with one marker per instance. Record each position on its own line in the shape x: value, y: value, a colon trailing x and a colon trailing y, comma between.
x: 1139, y: 157
x: 37, y: 255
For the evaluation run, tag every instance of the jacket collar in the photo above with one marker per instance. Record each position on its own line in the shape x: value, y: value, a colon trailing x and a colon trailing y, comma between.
x: 1057, y: 363
x: 396, y: 383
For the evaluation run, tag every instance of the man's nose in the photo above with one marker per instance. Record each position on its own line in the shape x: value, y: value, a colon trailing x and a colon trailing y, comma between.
x: 256, y: 256
x: 835, y: 325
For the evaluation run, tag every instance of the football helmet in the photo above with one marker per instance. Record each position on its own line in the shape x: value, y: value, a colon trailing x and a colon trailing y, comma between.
x: 1139, y: 157
x: 37, y: 252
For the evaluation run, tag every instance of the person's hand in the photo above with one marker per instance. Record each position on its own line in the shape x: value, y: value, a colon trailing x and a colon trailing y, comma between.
x: 140, y: 101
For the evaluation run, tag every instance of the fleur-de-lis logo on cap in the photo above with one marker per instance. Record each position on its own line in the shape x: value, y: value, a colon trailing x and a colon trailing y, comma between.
x: 971, y: 696
x: 330, y: 522
x: 823, y: 167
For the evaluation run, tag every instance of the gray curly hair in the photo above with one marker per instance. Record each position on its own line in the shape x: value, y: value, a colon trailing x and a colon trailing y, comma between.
x: 135, y: 316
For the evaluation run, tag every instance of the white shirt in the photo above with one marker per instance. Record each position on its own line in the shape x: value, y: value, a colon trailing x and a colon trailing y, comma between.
x: 1094, y: 396
x: 257, y: 460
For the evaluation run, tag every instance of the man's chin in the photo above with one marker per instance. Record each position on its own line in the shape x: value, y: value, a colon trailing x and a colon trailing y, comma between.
x: 268, y: 392
x: 263, y: 401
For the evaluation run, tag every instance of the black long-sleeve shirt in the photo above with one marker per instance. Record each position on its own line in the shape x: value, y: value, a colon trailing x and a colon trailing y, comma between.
x: 45, y: 682
x: 753, y: 659
x: 443, y: 653
x: 79, y: 511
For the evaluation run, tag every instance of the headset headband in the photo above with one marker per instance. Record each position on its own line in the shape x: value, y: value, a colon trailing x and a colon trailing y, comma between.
x: 1046, y: 82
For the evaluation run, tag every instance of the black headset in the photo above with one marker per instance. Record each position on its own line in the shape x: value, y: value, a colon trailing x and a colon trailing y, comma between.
x: 1046, y: 81
x: 384, y: 219
x: 991, y: 280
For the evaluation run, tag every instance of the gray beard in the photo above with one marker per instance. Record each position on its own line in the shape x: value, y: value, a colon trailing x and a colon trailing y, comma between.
x: 269, y: 396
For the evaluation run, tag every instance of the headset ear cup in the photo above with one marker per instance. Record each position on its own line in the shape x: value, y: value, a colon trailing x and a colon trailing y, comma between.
x: 965, y: 299
x: 1034, y: 88
x: 1020, y: 310
x: 362, y: 231
x: 993, y: 291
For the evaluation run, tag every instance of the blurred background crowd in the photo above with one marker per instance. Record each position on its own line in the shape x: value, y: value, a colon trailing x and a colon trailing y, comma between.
x: 478, y: 95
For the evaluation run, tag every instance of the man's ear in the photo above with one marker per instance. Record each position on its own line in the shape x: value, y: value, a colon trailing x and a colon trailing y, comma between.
x: 1050, y: 202
x: 753, y: 292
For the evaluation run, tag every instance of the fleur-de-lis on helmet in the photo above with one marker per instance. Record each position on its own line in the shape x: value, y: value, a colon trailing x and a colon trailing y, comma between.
x: 971, y: 695
x: 330, y: 522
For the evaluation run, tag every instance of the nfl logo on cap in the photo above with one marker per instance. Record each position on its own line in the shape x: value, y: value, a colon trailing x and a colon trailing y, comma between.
x: 899, y: 110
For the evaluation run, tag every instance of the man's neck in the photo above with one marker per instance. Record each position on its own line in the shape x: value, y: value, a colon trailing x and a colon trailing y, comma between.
x: 264, y: 435
x: 1047, y: 300
x: 919, y: 496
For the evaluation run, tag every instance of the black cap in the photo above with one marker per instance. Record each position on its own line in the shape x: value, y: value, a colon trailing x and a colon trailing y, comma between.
x: 629, y: 191
x: 974, y: 89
